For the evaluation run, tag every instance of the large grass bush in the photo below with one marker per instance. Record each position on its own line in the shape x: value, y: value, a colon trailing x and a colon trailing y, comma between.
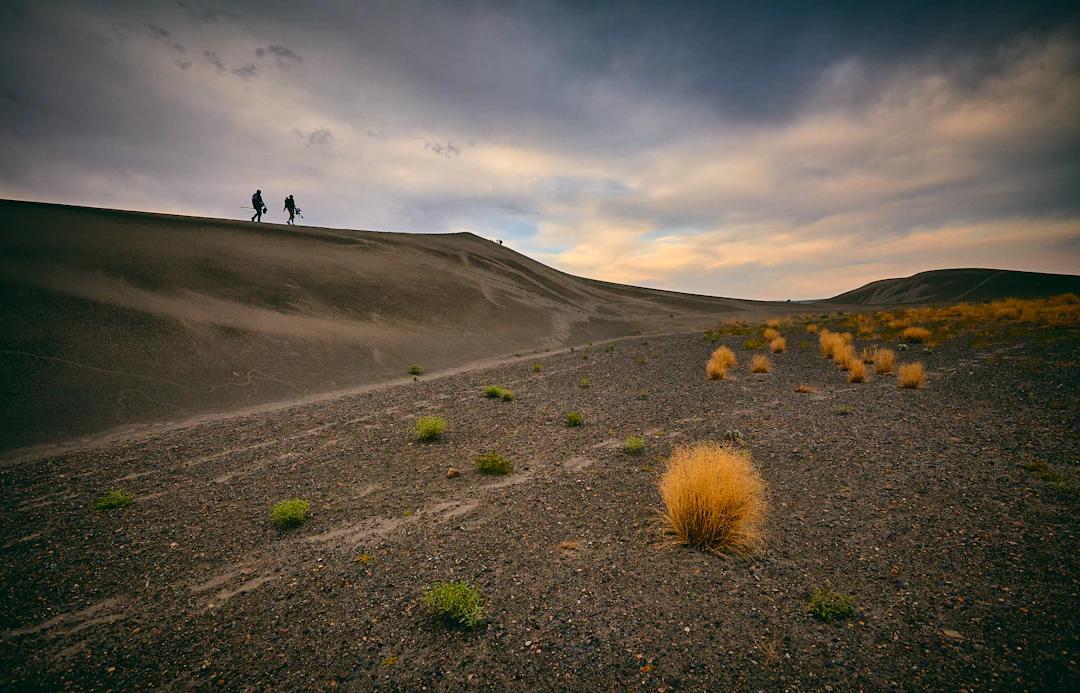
x: 714, y: 499
x: 719, y: 363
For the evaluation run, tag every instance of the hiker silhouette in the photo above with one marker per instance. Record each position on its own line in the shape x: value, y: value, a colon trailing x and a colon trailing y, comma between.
x: 257, y: 205
x: 290, y: 207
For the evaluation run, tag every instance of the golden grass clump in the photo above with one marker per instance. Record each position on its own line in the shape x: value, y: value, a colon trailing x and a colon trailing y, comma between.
x: 915, y: 334
x: 811, y: 328
x: 773, y: 323
x: 868, y: 354
x: 714, y: 499
x: 843, y: 355
x: 760, y: 364
x: 828, y: 343
x: 778, y: 345
x: 803, y: 387
x: 770, y: 334
x: 856, y: 371
x: 883, y: 361
x: 721, y: 360
x: 911, y: 375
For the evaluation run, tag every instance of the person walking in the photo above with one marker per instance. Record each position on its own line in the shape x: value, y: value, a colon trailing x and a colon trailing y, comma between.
x: 290, y: 207
x: 257, y: 205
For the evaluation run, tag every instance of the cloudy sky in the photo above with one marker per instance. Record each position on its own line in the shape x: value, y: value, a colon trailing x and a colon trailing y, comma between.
x: 762, y: 150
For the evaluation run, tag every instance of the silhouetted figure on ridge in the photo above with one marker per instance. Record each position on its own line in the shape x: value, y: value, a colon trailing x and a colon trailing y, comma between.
x: 257, y: 205
x: 290, y: 207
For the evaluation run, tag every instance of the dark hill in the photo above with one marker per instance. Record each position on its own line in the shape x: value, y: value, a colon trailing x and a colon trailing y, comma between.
x: 960, y: 285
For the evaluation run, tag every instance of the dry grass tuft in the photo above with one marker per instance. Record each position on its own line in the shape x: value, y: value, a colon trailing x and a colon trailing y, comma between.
x: 883, y: 361
x: 856, y: 371
x: 803, y: 387
x: 915, y: 334
x: 811, y: 328
x: 868, y: 354
x: 844, y: 354
x: 760, y: 364
x: 911, y: 375
x: 777, y: 345
x: 773, y: 323
x: 721, y: 360
x: 770, y: 334
x: 713, y: 499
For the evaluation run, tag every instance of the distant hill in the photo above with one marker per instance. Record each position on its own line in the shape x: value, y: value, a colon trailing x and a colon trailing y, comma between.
x: 115, y: 318
x: 947, y: 285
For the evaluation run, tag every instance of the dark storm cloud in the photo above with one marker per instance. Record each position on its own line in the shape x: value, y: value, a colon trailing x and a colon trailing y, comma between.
x: 607, y: 125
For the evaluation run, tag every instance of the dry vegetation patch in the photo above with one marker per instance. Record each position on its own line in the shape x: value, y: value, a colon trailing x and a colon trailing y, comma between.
x: 760, y: 364
x: 911, y: 375
x: 714, y: 499
x: 777, y: 345
x: 883, y: 361
x: 719, y: 363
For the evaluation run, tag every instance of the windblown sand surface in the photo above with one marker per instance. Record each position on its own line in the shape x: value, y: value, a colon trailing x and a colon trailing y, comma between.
x: 926, y: 505
x: 115, y: 318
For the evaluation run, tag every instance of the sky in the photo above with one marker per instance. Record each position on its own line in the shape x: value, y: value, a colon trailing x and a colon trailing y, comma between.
x: 756, y: 150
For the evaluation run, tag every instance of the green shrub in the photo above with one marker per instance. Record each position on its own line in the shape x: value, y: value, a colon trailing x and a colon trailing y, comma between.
x: 493, y: 463
x: 430, y: 427
x: 584, y: 382
x: 116, y: 498
x: 643, y: 394
x: 634, y: 445
x: 830, y: 606
x: 753, y: 343
x: 573, y: 418
x: 289, y: 513
x: 496, y: 392
x: 415, y: 370
x: 455, y: 604
x: 842, y: 410
x: 537, y: 368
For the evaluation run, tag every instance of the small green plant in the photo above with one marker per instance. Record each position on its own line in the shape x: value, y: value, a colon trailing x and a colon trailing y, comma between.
x: 493, y: 463
x: 116, y: 498
x: 536, y: 368
x: 573, y: 418
x: 736, y: 438
x: 584, y: 383
x: 642, y: 360
x: 496, y: 392
x: 753, y: 343
x: 830, y: 606
x: 1043, y: 471
x: 842, y: 410
x: 415, y: 370
x: 643, y: 394
x: 455, y: 604
x: 634, y: 445
x: 289, y: 513
x: 430, y: 427
x: 609, y: 348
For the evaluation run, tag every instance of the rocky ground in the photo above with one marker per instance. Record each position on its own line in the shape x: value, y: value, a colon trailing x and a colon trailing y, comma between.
x: 928, y: 506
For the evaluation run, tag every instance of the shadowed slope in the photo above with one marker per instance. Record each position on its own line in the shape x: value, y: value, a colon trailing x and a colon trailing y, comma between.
x: 112, y: 318
x: 938, y: 286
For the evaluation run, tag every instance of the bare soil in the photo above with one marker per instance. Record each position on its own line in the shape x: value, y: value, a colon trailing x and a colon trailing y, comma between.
x: 922, y: 504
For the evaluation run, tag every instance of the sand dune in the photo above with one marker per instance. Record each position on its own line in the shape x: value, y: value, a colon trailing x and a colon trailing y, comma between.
x: 115, y: 318
x: 952, y: 285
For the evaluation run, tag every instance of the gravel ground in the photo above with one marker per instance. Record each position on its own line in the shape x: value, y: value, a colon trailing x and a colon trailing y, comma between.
x: 963, y: 561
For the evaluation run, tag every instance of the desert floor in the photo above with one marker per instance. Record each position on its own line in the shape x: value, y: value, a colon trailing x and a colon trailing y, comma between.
x: 928, y: 506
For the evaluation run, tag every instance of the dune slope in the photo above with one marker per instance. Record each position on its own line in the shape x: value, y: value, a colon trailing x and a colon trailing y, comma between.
x: 115, y: 318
